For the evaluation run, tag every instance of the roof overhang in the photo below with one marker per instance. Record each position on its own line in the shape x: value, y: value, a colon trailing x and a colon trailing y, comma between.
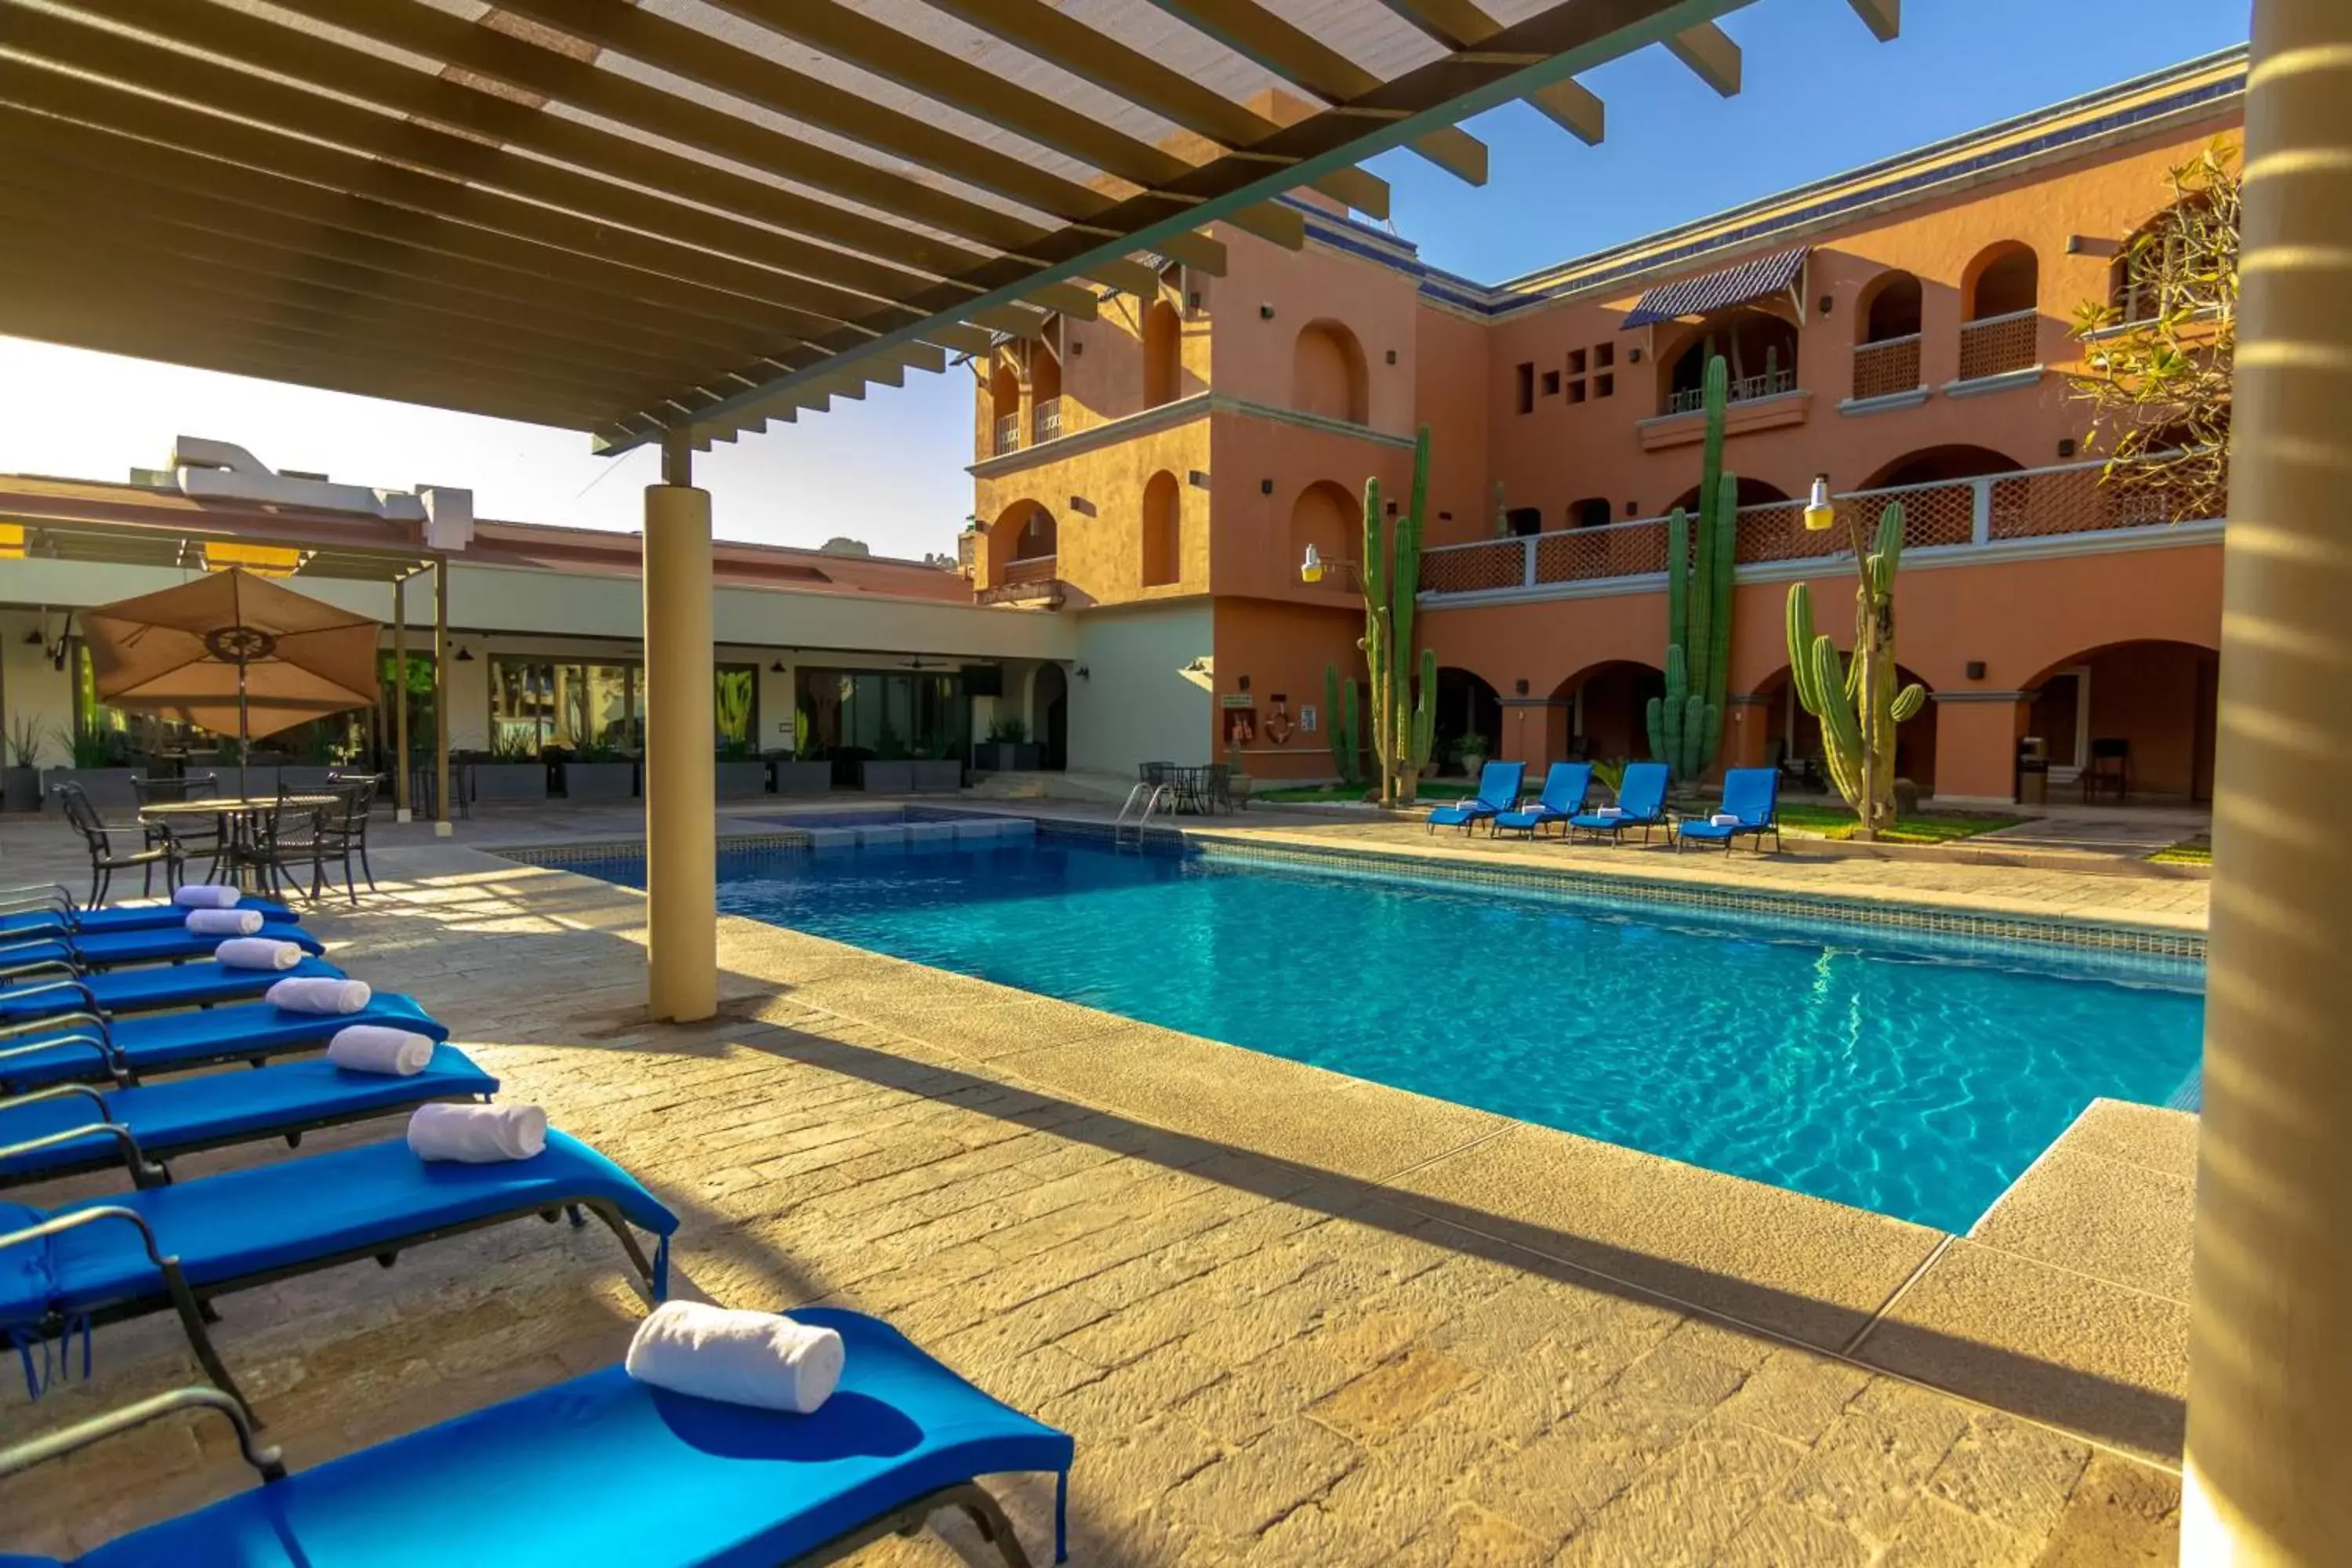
x: 1744, y: 284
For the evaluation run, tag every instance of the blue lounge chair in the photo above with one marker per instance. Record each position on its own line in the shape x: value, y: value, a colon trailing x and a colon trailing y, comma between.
x: 51, y: 910
x: 123, y: 949
x: 83, y: 1046
x: 603, y: 1468
x: 1751, y: 794
x: 1641, y: 802
x: 71, y: 1127
x: 1498, y: 791
x: 1563, y: 796
x: 198, y: 985
x: 105, y: 1260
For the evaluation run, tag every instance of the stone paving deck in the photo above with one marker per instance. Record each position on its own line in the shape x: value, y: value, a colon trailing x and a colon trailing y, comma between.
x: 1291, y: 1318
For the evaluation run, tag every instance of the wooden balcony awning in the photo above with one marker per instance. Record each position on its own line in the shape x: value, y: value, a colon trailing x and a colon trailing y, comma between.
x: 686, y: 218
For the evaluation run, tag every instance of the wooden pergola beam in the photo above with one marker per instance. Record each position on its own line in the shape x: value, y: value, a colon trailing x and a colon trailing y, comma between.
x: 1711, y: 55
x: 1882, y: 18
x: 1574, y: 108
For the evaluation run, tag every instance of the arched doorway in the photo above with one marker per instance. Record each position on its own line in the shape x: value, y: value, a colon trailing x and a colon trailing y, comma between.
x: 1592, y: 512
x: 1942, y: 465
x: 1606, y: 717
x: 1162, y: 541
x: 2145, y: 710
x: 1327, y: 373
x: 1759, y: 350
x: 1044, y: 395
x: 1466, y: 706
x: 1049, y: 707
x: 1886, y: 355
x: 1752, y: 492
x: 2000, y: 291
x: 1003, y: 408
x: 1023, y: 542
x: 1163, y: 353
x: 1328, y: 516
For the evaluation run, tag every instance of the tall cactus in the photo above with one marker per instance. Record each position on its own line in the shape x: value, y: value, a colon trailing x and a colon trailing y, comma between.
x: 1856, y: 699
x: 1686, y: 726
x: 1400, y: 728
x: 1339, y: 713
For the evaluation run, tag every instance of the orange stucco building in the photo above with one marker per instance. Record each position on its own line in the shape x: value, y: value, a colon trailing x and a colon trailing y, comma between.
x: 1905, y: 328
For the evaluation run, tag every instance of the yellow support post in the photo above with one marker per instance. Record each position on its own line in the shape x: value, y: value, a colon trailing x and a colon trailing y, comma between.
x: 681, y: 816
x: 2268, y: 1475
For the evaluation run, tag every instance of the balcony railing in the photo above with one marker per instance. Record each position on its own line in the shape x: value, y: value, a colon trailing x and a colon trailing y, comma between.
x: 1885, y: 368
x: 1747, y: 389
x: 1030, y: 568
x: 2038, y: 503
x: 1999, y: 345
x: 1007, y: 435
x: 1046, y: 421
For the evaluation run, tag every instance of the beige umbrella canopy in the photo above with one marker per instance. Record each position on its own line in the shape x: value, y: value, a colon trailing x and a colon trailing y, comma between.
x: 232, y: 650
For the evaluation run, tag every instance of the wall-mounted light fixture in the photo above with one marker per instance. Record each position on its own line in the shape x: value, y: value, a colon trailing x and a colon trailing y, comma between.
x: 1265, y: 312
x: 1393, y: 356
x: 1198, y: 478
x: 2066, y: 446
x: 1077, y: 348
x: 2074, y: 245
x: 1083, y: 673
x: 1240, y: 682
x: 1392, y: 505
x: 465, y: 656
x: 1633, y: 356
x: 1520, y: 685
x: 33, y: 638
x: 1082, y: 506
x: 779, y: 668
x: 1266, y: 486
x: 1976, y: 668
x: 1828, y: 303
x: 1633, y: 508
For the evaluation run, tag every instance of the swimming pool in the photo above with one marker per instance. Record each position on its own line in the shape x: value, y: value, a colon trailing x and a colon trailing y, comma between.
x: 1833, y: 1061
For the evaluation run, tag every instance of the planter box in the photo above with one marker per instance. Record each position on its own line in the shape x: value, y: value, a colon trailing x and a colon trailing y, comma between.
x: 1006, y: 756
x: 495, y: 784
x: 20, y: 789
x: 879, y: 777
x: 935, y: 775
x: 739, y: 781
x: 108, y: 788
x: 803, y: 776
x: 600, y: 781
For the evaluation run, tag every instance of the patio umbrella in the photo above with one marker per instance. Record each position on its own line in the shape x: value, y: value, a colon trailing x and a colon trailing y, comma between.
x: 227, y: 647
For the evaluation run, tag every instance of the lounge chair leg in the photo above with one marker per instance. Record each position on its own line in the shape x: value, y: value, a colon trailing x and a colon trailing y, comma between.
x: 386, y: 1259
x: 578, y: 1218
x: 653, y: 1277
x: 207, y: 1312
x: 988, y: 1517
x: 193, y: 1316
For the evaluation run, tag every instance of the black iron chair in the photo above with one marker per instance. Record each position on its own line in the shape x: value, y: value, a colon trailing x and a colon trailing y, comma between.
x: 195, y: 836
x: 157, y: 847
x: 283, y: 840
x: 2108, y: 771
x: 342, y: 831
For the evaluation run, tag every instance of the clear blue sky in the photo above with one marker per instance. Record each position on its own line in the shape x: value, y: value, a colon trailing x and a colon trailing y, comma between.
x: 1821, y: 95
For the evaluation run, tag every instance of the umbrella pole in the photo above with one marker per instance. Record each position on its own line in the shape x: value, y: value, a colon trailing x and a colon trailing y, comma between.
x: 243, y: 744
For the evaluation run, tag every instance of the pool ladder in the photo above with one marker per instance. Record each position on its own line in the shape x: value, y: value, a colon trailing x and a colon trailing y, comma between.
x: 1141, y: 802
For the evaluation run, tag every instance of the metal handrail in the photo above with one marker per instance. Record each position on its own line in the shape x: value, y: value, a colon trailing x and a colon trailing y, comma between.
x: 1152, y: 795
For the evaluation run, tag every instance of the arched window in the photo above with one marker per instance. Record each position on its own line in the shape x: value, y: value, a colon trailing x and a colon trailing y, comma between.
x: 1891, y: 308
x: 1327, y: 373
x: 1760, y: 351
x: 2001, y: 290
x: 1163, y: 354
x: 1887, y: 356
x: 1328, y: 516
x: 1163, y: 531
x: 1022, y: 543
x: 1593, y: 512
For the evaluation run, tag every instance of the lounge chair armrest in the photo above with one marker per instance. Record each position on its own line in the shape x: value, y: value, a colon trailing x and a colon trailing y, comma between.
x: 32, y: 895
x: 38, y: 966
x: 113, y: 1063
x: 113, y: 1422
x: 57, y: 1224
x: 144, y: 1173
x: 61, y: 1092
x: 86, y: 1000
x: 50, y: 1022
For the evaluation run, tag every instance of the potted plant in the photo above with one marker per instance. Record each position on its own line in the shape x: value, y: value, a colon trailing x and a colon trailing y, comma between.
x: 796, y: 772
x: 98, y: 768
x: 20, y: 782
x: 739, y: 773
x: 942, y: 771
x: 596, y: 770
x: 513, y: 771
x: 1008, y: 747
x: 889, y: 770
x: 1472, y: 751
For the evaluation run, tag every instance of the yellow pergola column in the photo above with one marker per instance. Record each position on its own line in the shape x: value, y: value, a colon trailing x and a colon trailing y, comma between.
x: 2269, y: 1463
x: 681, y: 821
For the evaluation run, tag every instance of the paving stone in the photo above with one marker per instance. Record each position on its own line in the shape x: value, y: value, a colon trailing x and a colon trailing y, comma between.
x: 1247, y: 1490
x: 1392, y: 1396
x: 2011, y: 1472
x: 1780, y: 1535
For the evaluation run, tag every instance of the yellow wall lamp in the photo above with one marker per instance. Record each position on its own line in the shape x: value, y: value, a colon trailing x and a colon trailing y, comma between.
x: 1820, y: 515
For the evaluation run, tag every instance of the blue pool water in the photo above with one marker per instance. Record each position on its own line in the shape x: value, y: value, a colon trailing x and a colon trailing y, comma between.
x: 1915, y: 1085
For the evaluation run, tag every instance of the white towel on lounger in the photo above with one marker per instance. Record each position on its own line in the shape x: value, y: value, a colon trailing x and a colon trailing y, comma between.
x: 374, y: 1047
x: 476, y: 1134
x: 1723, y: 819
x: 257, y: 952
x: 319, y: 993
x: 759, y: 1359
x: 1611, y: 811
x: 206, y: 895
x: 224, y: 923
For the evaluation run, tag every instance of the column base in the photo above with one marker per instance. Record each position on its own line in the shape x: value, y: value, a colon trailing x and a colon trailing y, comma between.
x: 444, y: 829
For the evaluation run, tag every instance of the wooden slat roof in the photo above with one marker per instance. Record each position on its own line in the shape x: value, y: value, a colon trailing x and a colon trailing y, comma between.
x: 686, y: 218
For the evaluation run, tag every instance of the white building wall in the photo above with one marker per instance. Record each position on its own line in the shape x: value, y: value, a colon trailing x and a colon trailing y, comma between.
x: 31, y: 692
x: 1140, y: 703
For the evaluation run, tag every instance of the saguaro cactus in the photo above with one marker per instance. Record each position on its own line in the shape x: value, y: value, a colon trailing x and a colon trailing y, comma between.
x: 1340, y: 714
x: 1686, y: 726
x: 1402, y: 729
x: 1856, y: 699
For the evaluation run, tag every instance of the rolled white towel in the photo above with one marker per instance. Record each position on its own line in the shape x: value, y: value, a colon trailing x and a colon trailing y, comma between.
x: 206, y: 895
x: 319, y: 993
x: 224, y: 923
x: 372, y: 1047
x: 1611, y: 811
x: 476, y: 1134
x: 1724, y: 819
x: 257, y: 952
x: 744, y: 1358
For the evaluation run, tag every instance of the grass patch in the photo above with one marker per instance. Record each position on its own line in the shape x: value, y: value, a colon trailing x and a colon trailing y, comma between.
x: 2197, y: 851
x: 1927, y: 827
x: 1317, y: 793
